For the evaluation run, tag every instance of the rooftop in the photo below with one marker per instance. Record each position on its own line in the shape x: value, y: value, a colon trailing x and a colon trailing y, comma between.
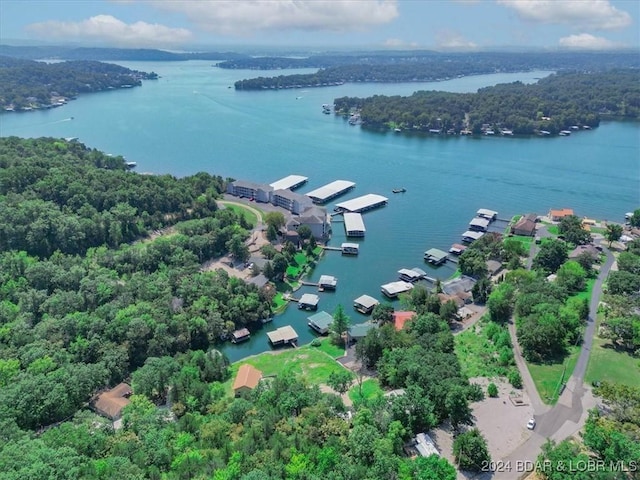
x: 111, y: 402
x: 479, y: 222
x: 473, y: 235
x: 362, y: 203
x: 330, y: 190
x: 394, y: 288
x: 400, y: 318
x: 353, y: 222
x: 327, y: 280
x: 252, y: 185
x: 435, y: 254
x: 410, y: 274
x: 247, y: 376
x: 292, y: 181
x: 360, y: 330
x: 321, y: 319
x: 309, y: 299
x: 483, y: 212
x: 282, y: 335
x: 350, y: 245
x: 243, y: 332
x: 366, y: 301
x: 564, y: 212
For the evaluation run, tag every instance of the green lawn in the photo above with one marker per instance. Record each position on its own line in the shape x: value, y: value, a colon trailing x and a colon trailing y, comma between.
x: 525, y: 240
x: 370, y: 389
x: 553, y: 230
x: 478, y: 356
x: 547, y: 376
x: 249, y: 216
x: 334, y: 351
x: 607, y: 363
x: 587, y: 293
x: 307, y: 362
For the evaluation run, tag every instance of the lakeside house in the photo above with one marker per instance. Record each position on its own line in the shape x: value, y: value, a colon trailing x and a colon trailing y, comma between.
x: 525, y: 226
x: 590, y: 250
x: 400, y: 318
x: 557, y: 215
x: 110, y: 403
x: 247, y: 378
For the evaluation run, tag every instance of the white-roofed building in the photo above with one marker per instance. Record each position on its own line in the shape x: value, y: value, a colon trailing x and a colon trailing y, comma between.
x: 365, y: 304
x: 327, y: 282
x: 479, y: 224
x: 289, y: 183
x: 354, y: 225
x: 471, y: 236
x: 362, y: 204
x: 488, y: 214
x: 393, y: 289
x: 331, y: 190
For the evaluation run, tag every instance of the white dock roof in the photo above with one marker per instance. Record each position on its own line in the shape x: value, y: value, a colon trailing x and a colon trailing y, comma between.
x: 483, y: 212
x: 394, y: 288
x: 330, y: 190
x: 353, y: 222
x: 366, y: 301
x: 309, y: 299
x: 283, y: 334
x: 328, y: 280
x: 479, y: 222
x: 364, y: 202
x: 350, y: 245
x: 436, y: 254
x: 291, y: 181
x: 411, y: 274
x: 473, y: 235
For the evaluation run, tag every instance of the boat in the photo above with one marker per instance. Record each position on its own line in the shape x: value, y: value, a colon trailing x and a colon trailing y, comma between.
x: 397, y: 130
x: 399, y: 190
x: 131, y: 164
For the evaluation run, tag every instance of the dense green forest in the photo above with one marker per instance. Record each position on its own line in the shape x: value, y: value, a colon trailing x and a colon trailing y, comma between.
x: 418, y: 66
x: 553, y: 104
x: 26, y: 84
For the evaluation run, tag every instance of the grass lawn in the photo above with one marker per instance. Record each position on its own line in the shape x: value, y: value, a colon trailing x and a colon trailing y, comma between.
x: 334, y: 351
x: 525, y: 240
x: 370, y: 389
x: 587, y: 293
x: 249, y: 216
x: 553, y: 230
x: 279, y: 302
x: 607, y: 363
x: 547, y: 376
x: 307, y: 362
x: 478, y: 356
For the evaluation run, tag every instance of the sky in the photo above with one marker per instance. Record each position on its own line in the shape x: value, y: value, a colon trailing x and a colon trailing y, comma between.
x: 324, y: 24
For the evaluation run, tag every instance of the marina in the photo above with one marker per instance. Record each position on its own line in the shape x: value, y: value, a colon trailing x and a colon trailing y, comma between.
x: 330, y: 191
x: 362, y: 204
x: 354, y: 225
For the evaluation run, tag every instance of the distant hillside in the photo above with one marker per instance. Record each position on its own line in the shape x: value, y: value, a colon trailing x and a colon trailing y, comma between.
x: 30, y: 85
x: 111, y: 54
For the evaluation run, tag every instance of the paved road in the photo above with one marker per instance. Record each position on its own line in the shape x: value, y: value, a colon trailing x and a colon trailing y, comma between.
x: 569, y: 414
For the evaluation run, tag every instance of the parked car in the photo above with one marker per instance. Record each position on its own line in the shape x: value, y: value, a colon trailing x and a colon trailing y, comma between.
x: 531, y: 424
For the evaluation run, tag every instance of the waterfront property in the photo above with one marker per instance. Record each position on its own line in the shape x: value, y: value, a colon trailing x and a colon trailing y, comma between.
x: 402, y: 317
x: 330, y: 191
x: 308, y: 301
x: 327, y: 282
x: 479, y: 224
x: 283, y: 336
x: 393, y: 289
x: 354, y: 225
x: 320, y: 322
x: 247, y: 378
x: 314, y: 217
x: 457, y: 249
x: 258, y: 191
x: 365, y: 304
x: 350, y: 248
x: 411, y: 275
x: 435, y: 256
x: 488, y: 214
x: 359, y: 331
x: 240, y: 335
x: 525, y: 226
x: 557, y: 215
x: 294, y: 202
x: 290, y: 182
x: 362, y: 204
x: 471, y: 236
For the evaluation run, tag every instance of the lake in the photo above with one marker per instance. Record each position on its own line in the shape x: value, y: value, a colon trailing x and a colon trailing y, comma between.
x: 190, y: 120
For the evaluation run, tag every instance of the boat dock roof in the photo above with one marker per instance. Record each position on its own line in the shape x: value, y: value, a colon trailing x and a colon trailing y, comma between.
x: 409, y: 275
x: 241, y: 333
x: 366, y: 301
x: 309, y: 299
x: 281, y: 335
x: 327, y: 280
x: 435, y: 255
x: 395, y: 288
x: 479, y: 223
x: 361, y: 204
x: 331, y: 190
x: 289, y: 183
x: 355, y: 246
x: 320, y: 322
x: 470, y: 236
x: 488, y: 214
x: 354, y: 225
x: 456, y: 248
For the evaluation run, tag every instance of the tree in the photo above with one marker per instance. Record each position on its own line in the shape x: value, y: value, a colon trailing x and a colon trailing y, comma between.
x: 304, y: 232
x: 623, y: 283
x: 613, y: 232
x: 473, y: 263
x: 572, y: 276
x: 481, y: 290
x: 382, y: 313
x: 571, y: 228
x: 340, y: 326
x: 272, y: 233
x: 340, y: 380
x: 275, y: 220
x: 492, y: 390
x: 470, y: 451
x: 635, y: 218
x: 551, y: 255
x: 458, y: 407
x: 500, y: 302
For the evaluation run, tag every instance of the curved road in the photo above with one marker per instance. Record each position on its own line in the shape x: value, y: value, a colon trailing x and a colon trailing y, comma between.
x: 569, y: 414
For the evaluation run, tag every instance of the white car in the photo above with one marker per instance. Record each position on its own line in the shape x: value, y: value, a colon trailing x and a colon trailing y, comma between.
x: 531, y: 424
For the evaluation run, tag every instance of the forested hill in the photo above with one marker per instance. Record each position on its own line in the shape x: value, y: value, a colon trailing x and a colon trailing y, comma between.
x: 28, y: 85
x: 553, y: 104
x: 58, y: 195
x: 418, y: 66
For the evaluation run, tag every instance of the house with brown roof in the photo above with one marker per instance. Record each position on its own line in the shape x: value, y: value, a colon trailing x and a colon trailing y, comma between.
x: 526, y: 225
x: 557, y: 215
x: 110, y: 403
x: 590, y: 250
x: 246, y: 380
x: 400, y: 318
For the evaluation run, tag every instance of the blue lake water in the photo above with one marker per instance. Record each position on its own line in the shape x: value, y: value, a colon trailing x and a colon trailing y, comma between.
x: 190, y: 120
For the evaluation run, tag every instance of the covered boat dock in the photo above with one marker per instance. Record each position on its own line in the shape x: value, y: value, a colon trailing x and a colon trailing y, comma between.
x: 365, y: 304
x: 320, y: 322
x: 393, y: 289
x: 289, y: 183
x: 362, y: 204
x: 354, y: 225
x: 282, y: 336
x: 435, y: 256
x: 331, y: 190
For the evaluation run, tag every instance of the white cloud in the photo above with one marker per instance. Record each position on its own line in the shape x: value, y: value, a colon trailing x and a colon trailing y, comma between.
x: 243, y: 17
x: 108, y: 29
x: 451, y: 39
x: 594, y: 14
x: 397, y: 43
x: 588, y: 42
